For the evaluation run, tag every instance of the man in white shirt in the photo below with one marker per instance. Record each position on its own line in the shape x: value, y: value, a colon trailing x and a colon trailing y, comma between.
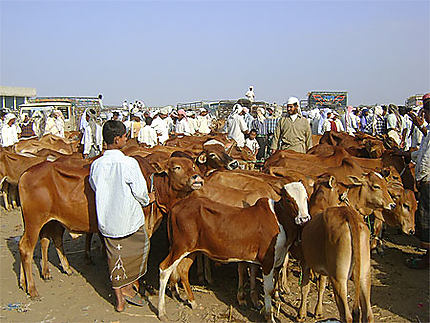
x: 147, y: 134
x: 161, y: 126
x: 250, y: 95
x: 9, y: 131
x: 182, y: 125
x: 236, y: 126
x: 120, y: 192
x: 55, y: 124
x: 203, y: 122
x: 92, y: 138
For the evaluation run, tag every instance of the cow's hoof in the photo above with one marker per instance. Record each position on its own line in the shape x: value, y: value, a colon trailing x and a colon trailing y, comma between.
x: 193, y: 304
x: 300, y: 318
x: 68, y: 272
x: 163, y: 318
x: 319, y: 316
x: 47, y: 277
x: 34, y: 296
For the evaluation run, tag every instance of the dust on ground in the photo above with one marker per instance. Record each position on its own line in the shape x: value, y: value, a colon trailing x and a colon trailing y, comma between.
x: 399, y: 294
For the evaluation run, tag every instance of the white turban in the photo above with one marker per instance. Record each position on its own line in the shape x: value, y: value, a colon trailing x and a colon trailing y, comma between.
x: 237, y: 108
x: 164, y: 110
x: 379, y: 110
x: 9, y: 117
x: 293, y: 100
x: 203, y: 110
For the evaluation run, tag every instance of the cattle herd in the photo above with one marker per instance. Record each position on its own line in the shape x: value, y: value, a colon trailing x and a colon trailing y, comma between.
x: 325, y: 208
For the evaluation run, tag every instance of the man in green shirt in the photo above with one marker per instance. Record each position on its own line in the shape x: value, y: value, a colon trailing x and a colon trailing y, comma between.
x: 293, y: 131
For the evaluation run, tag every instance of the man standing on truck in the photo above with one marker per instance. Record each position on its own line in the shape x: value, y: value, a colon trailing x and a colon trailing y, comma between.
x: 293, y: 131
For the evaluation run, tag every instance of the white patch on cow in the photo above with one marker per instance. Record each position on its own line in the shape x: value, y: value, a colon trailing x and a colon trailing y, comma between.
x: 379, y: 175
x: 164, y: 278
x: 272, y: 205
x: 268, y: 289
x: 298, y: 192
x: 213, y: 142
x: 280, y: 247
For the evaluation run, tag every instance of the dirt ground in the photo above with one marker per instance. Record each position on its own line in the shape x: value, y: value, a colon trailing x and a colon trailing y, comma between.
x: 399, y: 294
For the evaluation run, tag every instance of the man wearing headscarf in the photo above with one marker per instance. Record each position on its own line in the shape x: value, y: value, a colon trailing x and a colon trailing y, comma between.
x: 293, y: 131
x: 10, y: 131
x: 161, y: 125
x: 259, y: 126
x: 333, y: 123
x: 250, y: 95
x: 203, y: 122
x: 93, y: 137
x: 236, y: 125
x: 182, y: 125
x: 55, y: 124
x: 350, y: 121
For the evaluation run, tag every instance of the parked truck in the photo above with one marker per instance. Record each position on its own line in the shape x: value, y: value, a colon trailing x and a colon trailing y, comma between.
x: 329, y: 99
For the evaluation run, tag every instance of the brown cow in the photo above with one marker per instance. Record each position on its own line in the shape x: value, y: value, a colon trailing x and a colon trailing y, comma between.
x: 52, y: 191
x: 229, y: 234
x: 12, y: 166
x: 33, y: 145
x: 335, y: 243
x: 330, y: 224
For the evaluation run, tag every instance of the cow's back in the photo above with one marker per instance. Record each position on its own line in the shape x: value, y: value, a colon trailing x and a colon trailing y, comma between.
x: 54, y: 191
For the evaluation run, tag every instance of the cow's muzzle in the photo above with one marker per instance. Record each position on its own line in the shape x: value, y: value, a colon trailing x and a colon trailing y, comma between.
x: 196, y: 182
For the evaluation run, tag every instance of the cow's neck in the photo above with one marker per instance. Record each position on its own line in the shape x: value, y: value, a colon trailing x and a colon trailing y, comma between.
x: 355, y: 194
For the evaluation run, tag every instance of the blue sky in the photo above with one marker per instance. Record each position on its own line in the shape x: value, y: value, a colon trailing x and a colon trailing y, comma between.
x: 166, y: 52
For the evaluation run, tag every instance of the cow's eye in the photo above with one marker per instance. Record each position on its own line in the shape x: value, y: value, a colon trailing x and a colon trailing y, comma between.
x: 376, y: 186
x: 176, y: 167
x: 407, y: 207
x: 212, y: 155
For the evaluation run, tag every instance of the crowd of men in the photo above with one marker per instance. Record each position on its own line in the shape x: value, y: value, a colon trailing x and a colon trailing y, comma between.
x: 13, y: 129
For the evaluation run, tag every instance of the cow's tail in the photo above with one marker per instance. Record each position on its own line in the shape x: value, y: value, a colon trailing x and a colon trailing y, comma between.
x: 356, y: 262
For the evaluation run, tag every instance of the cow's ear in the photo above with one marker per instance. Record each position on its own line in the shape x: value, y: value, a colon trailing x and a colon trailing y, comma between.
x: 160, y: 167
x: 201, y: 159
x: 355, y: 180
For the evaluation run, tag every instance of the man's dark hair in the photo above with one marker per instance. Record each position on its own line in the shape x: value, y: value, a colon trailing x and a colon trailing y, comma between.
x: 148, y: 121
x: 116, y: 114
x: 253, y: 130
x: 112, y: 129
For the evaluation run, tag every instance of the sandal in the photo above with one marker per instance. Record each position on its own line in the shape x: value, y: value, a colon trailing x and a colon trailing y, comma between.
x: 418, y: 263
x: 135, y: 300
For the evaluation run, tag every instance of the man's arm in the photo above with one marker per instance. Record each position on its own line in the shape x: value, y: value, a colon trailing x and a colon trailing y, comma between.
x: 308, y: 137
x: 276, y: 137
x: 137, y: 184
x: 418, y: 122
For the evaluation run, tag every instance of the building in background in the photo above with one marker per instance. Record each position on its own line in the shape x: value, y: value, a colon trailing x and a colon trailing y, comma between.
x: 12, y: 97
